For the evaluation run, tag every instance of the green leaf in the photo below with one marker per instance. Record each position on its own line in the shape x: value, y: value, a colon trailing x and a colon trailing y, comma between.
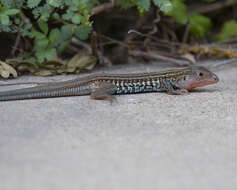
x: 36, y: 34
x: 56, y: 16
x: 164, y: 5
x: 41, y: 44
x: 56, y: 3
x: 33, y: 3
x: 50, y: 53
x: 127, y: 3
x: 178, y: 12
x: 62, y: 45
x: 75, y: 3
x: 43, y: 12
x: 68, y: 15
x: 43, y: 26
x: 66, y: 31
x: 12, y: 3
x: 11, y: 11
x: 199, y: 25
x: 40, y: 56
x: 17, y: 21
x: 4, y: 19
x: 229, y: 30
x: 143, y: 5
x: 76, y: 19
x: 82, y: 32
x: 54, y: 35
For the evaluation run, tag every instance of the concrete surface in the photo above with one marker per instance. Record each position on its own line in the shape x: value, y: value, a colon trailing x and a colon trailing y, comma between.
x: 147, y: 141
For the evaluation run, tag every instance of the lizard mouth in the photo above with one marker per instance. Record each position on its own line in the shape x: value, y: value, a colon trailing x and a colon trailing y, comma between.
x: 203, y: 82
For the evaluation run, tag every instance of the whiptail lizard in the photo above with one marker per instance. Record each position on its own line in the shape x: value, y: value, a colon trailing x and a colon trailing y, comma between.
x: 102, y: 86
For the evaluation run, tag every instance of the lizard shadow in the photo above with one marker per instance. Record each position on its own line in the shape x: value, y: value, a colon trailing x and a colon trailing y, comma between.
x: 204, y: 90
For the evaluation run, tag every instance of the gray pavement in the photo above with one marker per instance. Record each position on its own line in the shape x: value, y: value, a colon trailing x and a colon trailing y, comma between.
x: 147, y: 141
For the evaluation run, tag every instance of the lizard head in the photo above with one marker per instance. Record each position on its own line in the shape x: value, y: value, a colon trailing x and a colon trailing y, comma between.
x: 196, y: 76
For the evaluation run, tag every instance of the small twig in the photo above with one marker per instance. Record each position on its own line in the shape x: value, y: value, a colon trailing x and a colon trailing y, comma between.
x: 234, y: 10
x: 114, y: 41
x: 171, y: 33
x: 72, y: 48
x: 107, y: 43
x: 186, y: 33
x: 221, y: 63
x: 151, y: 44
x: 82, y: 44
x: 139, y: 24
x: 17, y: 42
x: 206, y: 8
x: 104, y: 7
x: 141, y: 34
x: 224, y: 42
x: 157, y: 40
x: 150, y: 55
x: 94, y: 47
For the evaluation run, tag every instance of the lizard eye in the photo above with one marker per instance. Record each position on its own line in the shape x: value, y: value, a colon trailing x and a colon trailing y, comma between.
x: 200, y: 74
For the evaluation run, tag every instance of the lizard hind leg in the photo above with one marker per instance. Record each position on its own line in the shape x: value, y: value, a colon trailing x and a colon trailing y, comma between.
x: 103, y: 91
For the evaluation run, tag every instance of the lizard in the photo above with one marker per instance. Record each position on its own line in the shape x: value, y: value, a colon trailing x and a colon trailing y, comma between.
x: 103, y: 86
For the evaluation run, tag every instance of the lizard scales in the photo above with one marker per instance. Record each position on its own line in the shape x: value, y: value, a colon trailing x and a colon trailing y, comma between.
x: 102, y: 86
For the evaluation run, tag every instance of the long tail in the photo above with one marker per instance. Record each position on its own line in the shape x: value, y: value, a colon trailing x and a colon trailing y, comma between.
x: 44, y: 91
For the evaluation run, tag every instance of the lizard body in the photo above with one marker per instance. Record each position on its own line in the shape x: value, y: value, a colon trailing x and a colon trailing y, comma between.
x: 102, y: 86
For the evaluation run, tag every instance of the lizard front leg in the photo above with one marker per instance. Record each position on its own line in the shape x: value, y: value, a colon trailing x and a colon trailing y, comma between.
x: 174, y: 90
x: 102, y: 91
